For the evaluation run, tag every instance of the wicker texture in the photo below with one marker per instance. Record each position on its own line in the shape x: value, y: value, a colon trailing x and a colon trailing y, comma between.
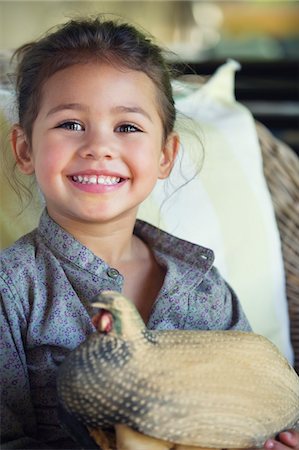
x: 281, y: 169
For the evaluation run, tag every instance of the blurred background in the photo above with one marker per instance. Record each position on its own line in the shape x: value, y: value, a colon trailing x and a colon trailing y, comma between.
x: 262, y: 35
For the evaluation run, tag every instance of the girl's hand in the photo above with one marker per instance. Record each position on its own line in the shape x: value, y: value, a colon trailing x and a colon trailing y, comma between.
x: 285, y: 441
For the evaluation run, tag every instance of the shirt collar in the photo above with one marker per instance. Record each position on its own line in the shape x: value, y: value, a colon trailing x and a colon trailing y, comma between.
x: 186, y: 264
x: 186, y: 256
x: 183, y: 256
x: 67, y: 246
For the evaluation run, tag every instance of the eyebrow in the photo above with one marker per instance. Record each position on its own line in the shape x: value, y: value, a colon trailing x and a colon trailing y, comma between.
x: 80, y: 107
x: 133, y: 109
x: 74, y: 106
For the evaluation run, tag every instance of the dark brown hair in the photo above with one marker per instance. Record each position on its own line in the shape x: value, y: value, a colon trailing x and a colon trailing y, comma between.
x: 82, y: 41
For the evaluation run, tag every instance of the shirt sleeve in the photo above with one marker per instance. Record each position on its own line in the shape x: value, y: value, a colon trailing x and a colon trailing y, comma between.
x: 18, y: 423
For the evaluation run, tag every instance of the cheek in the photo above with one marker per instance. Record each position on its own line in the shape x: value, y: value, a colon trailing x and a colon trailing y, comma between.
x: 48, y: 170
x: 146, y: 153
x: 46, y: 163
x: 48, y: 156
x: 146, y: 167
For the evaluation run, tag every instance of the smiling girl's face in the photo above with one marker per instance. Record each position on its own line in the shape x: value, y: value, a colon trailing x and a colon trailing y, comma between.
x: 97, y: 146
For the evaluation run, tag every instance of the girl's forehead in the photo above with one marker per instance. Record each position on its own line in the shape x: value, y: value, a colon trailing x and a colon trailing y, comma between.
x: 99, y: 81
x: 90, y: 74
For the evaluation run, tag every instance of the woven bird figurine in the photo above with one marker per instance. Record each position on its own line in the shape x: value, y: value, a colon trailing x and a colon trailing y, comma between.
x: 175, y: 389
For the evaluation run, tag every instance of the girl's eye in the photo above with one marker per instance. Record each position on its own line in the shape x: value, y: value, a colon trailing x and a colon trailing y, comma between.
x: 72, y: 126
x: 127, y: 128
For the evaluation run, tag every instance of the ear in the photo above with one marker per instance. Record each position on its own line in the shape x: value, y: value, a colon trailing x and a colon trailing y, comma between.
x: 168, y: 155
x: 21, y: 150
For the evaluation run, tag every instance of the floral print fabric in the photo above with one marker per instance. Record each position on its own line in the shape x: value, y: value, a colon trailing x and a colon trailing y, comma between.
x: 47, y: 280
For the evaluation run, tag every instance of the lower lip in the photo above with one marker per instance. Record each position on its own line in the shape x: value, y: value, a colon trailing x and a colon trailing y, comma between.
x: 97, y: 188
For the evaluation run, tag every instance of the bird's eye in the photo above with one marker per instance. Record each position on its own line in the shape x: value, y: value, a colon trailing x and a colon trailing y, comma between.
x: 127, y: 128
x: 71, y: 125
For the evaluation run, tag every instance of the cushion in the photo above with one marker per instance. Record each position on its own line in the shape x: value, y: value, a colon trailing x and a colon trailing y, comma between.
x: 226, y: 206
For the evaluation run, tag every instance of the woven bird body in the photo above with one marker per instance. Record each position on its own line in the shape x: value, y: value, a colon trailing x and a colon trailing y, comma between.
x: 198, y: 388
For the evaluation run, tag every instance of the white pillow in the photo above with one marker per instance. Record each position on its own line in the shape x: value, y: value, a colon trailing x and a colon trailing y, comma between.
x: 227, y: 206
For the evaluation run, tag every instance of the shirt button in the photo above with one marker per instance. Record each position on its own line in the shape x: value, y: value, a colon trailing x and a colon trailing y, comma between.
x: 112, y: 273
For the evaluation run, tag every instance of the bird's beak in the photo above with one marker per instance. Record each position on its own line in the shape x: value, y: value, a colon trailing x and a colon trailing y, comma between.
x: 103, y: 321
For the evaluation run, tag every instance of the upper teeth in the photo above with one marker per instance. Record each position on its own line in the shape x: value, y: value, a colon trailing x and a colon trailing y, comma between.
x: 94, y: 179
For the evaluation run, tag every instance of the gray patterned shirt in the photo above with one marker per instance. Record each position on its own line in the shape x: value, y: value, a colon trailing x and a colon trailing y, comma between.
x: 47, y: 280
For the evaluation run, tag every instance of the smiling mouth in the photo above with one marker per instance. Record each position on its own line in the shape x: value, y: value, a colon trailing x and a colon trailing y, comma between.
x: 94, y: 179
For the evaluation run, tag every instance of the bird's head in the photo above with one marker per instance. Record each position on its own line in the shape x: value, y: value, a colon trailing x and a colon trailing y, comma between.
x: 116, y: 315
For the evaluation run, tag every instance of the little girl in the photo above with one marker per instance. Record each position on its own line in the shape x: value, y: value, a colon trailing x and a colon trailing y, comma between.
x: 96, y: 118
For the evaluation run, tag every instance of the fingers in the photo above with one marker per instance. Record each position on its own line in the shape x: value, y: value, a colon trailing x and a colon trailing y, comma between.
x: 286, y: 440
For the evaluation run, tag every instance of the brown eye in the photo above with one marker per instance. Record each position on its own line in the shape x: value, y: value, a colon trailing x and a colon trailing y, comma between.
x: 72, y: 126
x: 127, y: 128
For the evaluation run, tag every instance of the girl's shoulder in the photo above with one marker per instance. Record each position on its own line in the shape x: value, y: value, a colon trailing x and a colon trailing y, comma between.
x: 19, y: 255
x: 18, y: 273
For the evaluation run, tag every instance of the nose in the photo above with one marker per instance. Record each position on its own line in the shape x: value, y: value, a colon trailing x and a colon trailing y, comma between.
x: 98, y: 146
